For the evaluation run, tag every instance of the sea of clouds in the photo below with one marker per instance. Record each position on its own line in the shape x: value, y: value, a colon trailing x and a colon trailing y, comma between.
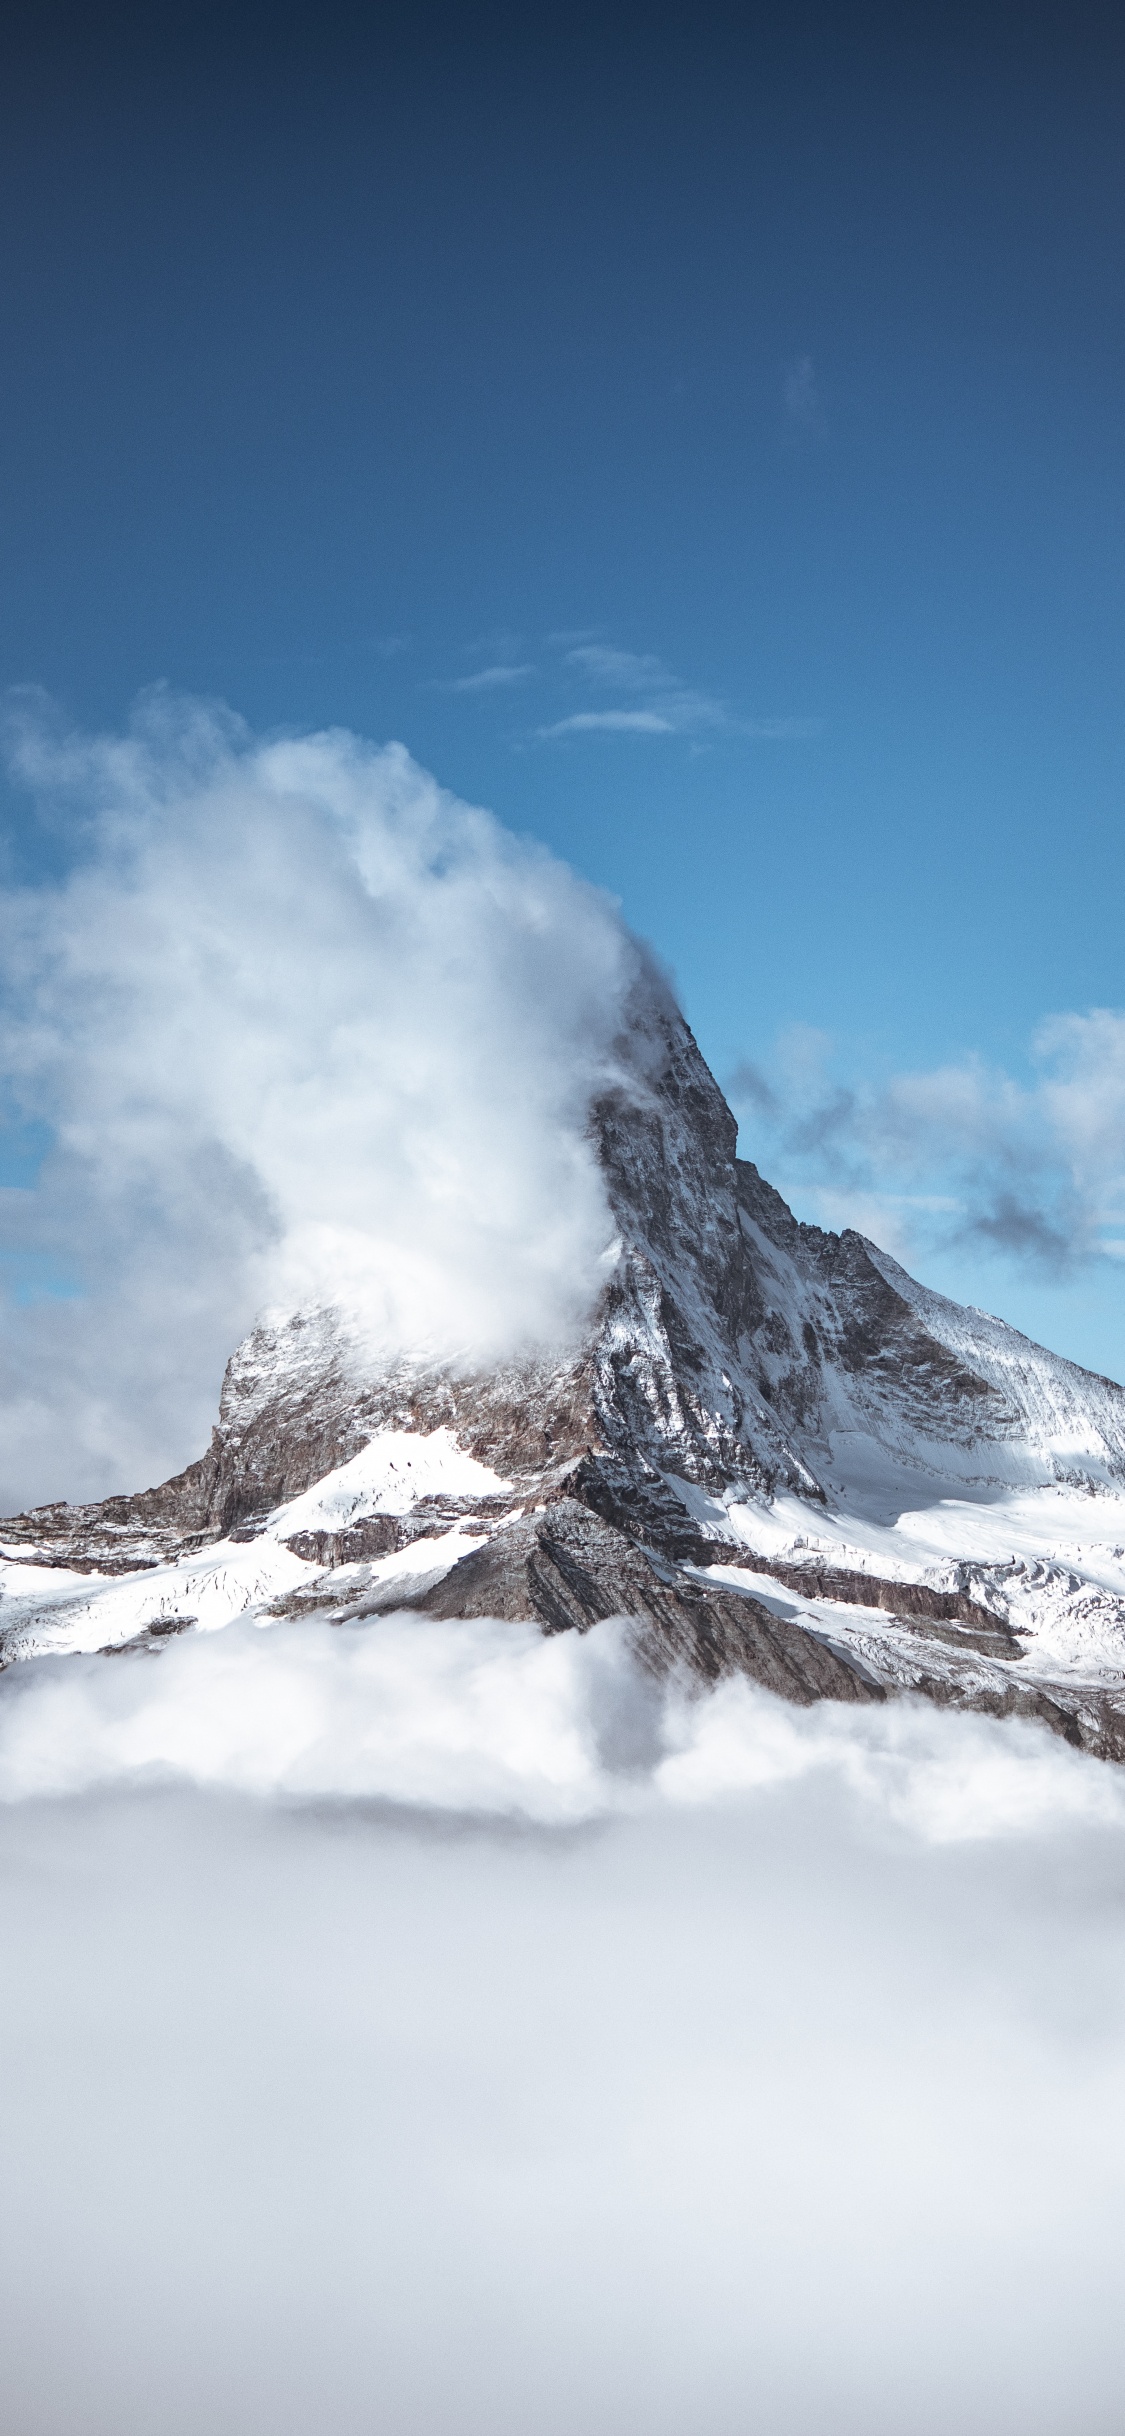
x: 435, y: 2028
x: 294, y: 1026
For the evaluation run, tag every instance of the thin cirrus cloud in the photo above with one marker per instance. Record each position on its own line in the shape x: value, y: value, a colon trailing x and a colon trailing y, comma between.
x: 621, y: 722
x: 638, y: 671
x: 492, y: 680
x: 963, y: 1154
x: 661, y: 705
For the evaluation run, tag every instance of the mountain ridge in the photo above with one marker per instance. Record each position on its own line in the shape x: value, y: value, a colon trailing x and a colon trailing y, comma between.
x: 753, y: 1397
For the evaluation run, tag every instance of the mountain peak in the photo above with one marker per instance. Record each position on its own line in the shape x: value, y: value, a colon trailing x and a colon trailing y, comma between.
x: 755, y: 1402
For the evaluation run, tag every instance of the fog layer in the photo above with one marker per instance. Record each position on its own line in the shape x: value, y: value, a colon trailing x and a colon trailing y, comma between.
x: 537, y: 2052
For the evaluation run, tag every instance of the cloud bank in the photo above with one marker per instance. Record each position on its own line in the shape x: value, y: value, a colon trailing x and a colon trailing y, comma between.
x: 494, y: 1720
x: 432, y: 2028
x: 296, y: 1026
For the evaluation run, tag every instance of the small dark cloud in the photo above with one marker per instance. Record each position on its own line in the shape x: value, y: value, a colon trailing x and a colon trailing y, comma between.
x: 822, y: 1130
x: 1017, y: 1226
x: 748, y: 1088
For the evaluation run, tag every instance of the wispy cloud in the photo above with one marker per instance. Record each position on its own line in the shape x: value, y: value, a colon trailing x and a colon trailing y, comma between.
x: 492, y: 680
x: 658, y: 702
x: 625, y: 722
x: 671, y: 707
x: 962, y: 1154
x: 638, y: 671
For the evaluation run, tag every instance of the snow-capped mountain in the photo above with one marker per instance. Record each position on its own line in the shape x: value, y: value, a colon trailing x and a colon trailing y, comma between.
x: 773, y: 1449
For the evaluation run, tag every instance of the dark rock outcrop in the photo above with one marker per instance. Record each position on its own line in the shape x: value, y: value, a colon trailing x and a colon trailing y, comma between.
x: 566, y: 1569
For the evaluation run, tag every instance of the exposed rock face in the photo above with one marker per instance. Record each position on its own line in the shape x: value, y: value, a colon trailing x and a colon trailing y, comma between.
x: 737, y: 1362
x: 567, y: 1570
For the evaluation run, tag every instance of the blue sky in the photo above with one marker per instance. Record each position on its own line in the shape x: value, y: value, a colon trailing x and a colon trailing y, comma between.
x: 699, y: 441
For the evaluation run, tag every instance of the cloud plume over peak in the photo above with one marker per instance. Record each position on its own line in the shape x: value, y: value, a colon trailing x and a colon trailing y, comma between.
x: 299, y: 1027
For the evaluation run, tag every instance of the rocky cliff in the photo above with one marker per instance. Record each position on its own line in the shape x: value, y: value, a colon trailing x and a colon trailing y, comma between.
x: 771, y: 1448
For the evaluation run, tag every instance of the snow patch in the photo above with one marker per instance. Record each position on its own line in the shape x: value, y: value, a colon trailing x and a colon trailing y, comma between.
x: 388, y: 1476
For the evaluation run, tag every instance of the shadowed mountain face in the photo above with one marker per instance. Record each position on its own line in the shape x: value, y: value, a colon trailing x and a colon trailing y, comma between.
x: 738, y: 1367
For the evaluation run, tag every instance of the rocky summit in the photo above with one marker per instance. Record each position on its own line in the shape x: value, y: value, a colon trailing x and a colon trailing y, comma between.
x: 773, y: 1451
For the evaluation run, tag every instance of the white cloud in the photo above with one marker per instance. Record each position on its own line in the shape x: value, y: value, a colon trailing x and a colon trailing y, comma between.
x: 496, y: 1719
x: 670, y: 708
x: 638, y: 671
x: 1032, y: 1169
x: 513, y: 2055
x: 492, y: 680
x: 1083, y: 1092
x: 303, y: 1027
x: 624, y: 722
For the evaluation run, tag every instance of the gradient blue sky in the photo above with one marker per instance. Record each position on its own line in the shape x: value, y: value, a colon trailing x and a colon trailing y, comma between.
x: 699, y: 438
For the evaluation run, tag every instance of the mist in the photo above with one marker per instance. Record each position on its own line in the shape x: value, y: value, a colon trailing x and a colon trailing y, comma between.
x: 294, y: 1027
x: 549, y: 2050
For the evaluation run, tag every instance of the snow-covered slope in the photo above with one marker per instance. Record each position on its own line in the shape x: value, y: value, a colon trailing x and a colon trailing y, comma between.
x: 1056, y: 1422
x: 773, y: 1448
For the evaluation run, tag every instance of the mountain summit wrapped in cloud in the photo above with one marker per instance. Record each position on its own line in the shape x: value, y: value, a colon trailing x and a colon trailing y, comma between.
x: 768, y: 1447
